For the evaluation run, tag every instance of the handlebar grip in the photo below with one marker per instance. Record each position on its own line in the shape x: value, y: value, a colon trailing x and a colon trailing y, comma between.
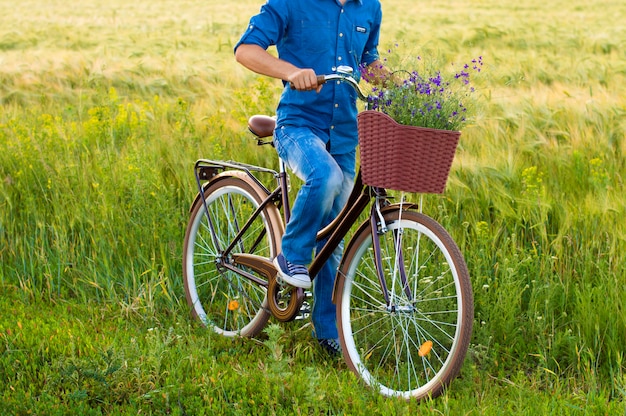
x: 321, y: 79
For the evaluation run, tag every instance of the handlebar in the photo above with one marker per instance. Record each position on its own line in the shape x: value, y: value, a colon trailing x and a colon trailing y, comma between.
x: 321, y: 79
x: 343, y: 74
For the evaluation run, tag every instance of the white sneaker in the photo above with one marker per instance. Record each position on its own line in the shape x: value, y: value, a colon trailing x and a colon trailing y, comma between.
x: 293, y: 274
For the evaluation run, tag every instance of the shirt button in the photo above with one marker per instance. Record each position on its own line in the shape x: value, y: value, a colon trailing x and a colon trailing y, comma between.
x: 341, y: 35
x: 332, y: 127
x: 334, y: 68
x: 336, y: 105
x: 339, y: 58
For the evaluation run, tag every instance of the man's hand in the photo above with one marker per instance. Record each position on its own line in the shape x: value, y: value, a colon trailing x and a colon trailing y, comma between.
x: 376, y: 73
x: 304, y: 80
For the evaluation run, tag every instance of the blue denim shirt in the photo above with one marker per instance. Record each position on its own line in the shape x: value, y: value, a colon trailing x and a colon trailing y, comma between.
x: 322, y: 35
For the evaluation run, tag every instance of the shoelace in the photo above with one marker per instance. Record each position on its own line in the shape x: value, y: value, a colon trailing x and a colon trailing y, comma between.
x: 331, y: 344
x: 296, y: 269
x: 334, y: 344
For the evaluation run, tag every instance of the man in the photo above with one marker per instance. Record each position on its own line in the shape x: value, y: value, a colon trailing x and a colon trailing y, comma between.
x: 316, y: 132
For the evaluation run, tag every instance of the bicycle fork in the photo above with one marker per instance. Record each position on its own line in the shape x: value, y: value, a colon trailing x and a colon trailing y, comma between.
x: 379, y: 227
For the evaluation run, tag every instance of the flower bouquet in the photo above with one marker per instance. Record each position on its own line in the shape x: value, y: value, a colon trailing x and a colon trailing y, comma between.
x: 408, y: 135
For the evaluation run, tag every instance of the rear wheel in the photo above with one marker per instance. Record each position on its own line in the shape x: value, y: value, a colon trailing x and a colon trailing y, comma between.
x: 223, y: 299
x: 414, y: 345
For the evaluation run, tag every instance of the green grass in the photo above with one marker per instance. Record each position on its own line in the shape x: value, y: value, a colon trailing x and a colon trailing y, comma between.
x: 104, y: 108
x: 94, y: 358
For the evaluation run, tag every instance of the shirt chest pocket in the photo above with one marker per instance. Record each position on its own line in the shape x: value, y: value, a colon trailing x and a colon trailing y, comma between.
x: 359, y: 35
x: 315, y: 37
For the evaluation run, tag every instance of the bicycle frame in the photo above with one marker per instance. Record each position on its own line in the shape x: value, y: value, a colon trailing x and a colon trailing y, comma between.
x: 334, y: 232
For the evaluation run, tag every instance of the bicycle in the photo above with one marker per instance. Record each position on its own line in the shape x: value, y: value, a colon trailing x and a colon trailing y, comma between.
x: 403, y: 293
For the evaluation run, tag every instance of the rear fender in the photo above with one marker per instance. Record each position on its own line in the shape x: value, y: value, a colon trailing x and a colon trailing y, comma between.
x: 227, y: 174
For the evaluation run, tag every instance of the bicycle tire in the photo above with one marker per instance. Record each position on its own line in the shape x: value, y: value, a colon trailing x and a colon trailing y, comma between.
x: 416, y: 348
x: 222, y: 299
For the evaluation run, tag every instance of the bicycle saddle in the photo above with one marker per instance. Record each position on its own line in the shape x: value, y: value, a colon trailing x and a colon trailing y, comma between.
x: 262, y: 126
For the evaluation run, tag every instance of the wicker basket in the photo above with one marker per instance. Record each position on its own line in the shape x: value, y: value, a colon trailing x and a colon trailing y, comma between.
x: 404, y: 158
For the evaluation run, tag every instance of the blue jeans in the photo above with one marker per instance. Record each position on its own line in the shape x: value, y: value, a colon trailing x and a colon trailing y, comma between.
x: 327, y: 182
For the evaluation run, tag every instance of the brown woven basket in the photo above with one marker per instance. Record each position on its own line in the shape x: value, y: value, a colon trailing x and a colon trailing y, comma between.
x: 404, y: 158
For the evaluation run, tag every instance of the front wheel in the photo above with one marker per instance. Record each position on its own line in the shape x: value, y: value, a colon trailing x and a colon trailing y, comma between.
x: 412, y: 343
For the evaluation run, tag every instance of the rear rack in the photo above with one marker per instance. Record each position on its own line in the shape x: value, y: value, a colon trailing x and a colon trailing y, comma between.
x: 206, y: 169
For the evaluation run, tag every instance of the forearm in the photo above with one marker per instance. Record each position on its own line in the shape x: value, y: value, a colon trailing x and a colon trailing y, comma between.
x: 257, y: 59
x: 260, y: 61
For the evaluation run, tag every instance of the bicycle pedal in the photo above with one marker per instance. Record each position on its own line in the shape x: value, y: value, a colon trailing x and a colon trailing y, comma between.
x: 305, y: 309
x: 304, y: 313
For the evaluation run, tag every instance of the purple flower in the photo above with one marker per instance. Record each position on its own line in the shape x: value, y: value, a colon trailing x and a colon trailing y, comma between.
x: 428, y: 98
